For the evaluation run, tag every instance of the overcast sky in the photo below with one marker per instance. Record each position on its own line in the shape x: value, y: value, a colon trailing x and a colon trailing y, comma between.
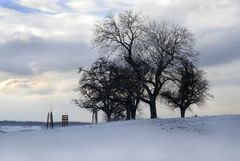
x: 43, y: 42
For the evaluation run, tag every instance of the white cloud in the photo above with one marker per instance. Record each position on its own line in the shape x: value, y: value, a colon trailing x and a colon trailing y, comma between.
x: 48, y: 84
x: 63, y: 26
x: 120, y: 4
x: 44, y: 5
x: 25, y: 86
x: 83, y: 6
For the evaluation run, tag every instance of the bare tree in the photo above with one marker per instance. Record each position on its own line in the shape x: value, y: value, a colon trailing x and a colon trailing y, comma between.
x: 96, y: 87
x: 151, y: 49
x: 111, y: 88
x: 192, y: 88
x: 128, y: 90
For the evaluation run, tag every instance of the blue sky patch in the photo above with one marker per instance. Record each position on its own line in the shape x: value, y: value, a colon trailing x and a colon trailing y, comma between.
x: 10, y: 4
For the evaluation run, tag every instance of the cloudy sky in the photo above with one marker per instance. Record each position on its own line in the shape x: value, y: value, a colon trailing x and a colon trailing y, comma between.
x: 43, y: 42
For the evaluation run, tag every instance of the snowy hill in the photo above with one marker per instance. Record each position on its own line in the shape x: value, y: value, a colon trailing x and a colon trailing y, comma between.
x: 26, y: 126
x: 190, y: 139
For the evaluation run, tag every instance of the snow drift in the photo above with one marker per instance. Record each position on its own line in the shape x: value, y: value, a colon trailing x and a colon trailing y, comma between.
x: 188, y: 139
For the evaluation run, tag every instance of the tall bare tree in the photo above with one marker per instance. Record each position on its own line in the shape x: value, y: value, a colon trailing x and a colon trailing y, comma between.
x: 151, y: 49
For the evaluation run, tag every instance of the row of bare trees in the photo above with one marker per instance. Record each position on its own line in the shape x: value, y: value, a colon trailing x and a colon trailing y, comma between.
x: 142, y: 62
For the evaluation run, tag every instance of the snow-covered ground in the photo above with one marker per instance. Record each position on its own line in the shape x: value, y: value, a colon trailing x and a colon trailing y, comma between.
x: 190, y: 139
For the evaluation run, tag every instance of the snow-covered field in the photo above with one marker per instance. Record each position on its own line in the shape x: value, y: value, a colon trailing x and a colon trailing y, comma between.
x: 189, y: 139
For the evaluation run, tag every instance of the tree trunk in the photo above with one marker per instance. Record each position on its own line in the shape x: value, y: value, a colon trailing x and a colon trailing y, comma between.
x: 153, y: 110
x: 128, y: 113
x: 133, y: 113
x: 109, y: 116
x: 182, y: 112
x: 96, y: 116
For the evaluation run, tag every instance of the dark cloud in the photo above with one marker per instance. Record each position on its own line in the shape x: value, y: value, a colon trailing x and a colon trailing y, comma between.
x: 221, y: 47
x: 38, y: 55
x: 233, y: 82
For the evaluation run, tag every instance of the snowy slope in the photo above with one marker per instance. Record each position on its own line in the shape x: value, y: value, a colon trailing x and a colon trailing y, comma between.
x: 189, y: 139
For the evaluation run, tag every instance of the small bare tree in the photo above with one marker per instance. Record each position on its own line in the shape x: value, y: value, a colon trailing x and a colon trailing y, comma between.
x: 96, y: 88
x: 192, y: 88
x: 111, y: 88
